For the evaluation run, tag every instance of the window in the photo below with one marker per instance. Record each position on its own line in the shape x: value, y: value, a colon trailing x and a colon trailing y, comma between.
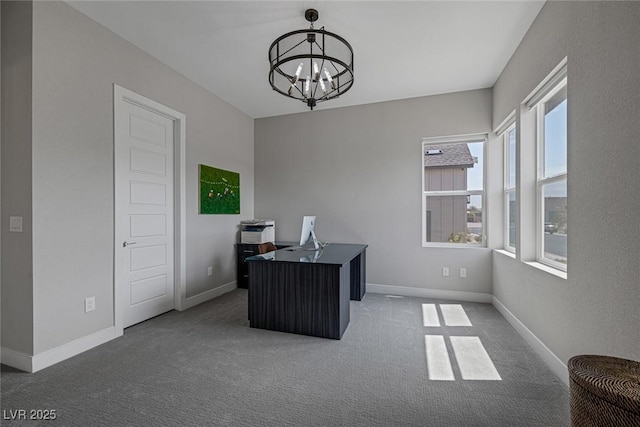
x: 552, y: 177
x: 453, y: 191
x: 510, y: 209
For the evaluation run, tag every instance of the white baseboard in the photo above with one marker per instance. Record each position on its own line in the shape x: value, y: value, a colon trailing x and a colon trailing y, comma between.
x: 428, y: 293
x: 28, y: 363
x: 207, y: 295
x: 15, y: 359
x: 551, y: 360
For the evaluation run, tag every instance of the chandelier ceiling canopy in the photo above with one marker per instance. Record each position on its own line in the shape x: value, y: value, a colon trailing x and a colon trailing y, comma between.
x: 311, y: 65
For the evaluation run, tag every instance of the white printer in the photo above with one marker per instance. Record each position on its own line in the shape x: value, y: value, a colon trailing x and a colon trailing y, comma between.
x: 257, y: 231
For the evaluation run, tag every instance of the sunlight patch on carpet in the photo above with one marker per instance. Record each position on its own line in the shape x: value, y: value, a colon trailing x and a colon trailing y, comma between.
x: 454, y: 315
x: 473, y: 360
x: 468, y: 352
x: 438, y: 364
x: 430, y: 315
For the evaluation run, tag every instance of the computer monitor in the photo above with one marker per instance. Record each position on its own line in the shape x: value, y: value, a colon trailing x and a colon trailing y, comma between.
x: 308, y: 231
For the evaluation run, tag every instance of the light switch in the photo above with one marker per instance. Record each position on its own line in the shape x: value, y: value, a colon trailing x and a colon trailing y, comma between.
x: 15, y: 224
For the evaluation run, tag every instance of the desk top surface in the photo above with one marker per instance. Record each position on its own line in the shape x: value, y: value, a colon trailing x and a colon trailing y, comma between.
x: 333, y: 254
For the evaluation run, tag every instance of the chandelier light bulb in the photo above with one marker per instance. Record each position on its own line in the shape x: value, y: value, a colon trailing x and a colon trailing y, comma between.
x: 307, y: 86
x: 298, y: 71
x: 324, y: 88
x: 290, y: 91
x: 329, y: 79
x: 316, y: 71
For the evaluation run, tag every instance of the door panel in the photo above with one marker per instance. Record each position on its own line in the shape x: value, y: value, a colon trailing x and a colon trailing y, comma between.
x: 144, y: 220
x: 145, y: 193
x: 144, y: 258
x: 144, y: 161
x: 149, y: 288
x: 144, y: 129
x: 147, y: 225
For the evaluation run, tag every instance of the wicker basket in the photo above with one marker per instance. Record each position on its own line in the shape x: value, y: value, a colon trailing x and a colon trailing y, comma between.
x: 604, y: 391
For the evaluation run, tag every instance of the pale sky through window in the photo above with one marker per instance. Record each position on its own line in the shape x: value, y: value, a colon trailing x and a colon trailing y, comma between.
x: 555, y: 156
x: 474, y: 174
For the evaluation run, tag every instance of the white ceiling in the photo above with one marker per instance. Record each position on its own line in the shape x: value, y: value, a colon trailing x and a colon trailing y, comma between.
x: 402, y: 49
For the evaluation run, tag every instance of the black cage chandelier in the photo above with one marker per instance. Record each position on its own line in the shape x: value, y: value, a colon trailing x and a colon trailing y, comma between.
x: 311, y: 65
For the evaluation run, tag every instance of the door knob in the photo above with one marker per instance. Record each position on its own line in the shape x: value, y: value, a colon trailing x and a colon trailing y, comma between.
x: 125, y: 244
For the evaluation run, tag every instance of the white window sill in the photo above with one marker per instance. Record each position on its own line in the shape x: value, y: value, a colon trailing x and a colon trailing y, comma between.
x: 442, y: 245
x: 559, y: 273
x: 506, y: 253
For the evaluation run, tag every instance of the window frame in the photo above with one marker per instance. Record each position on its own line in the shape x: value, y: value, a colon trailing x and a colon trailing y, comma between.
x: 507, y: 189
x: 541, y: 179
x: 445, y: 140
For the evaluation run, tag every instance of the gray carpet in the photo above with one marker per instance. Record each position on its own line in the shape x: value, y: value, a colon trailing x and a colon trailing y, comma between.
x: 206, y: 367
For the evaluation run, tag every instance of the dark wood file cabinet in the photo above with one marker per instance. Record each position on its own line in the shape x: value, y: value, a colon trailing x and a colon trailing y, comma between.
x: 245, y: 250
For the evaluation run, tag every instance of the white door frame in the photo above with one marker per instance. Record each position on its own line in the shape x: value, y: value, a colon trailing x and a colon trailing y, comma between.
x: 121, y: 94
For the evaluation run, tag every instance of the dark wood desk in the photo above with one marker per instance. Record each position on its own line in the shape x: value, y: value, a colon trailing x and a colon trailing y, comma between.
x: 305, y: 291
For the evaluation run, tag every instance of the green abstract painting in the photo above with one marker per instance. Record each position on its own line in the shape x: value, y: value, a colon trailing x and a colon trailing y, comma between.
x: 219, y: 191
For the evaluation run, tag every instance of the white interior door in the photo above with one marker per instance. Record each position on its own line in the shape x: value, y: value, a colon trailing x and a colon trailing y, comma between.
x: 144, y: 254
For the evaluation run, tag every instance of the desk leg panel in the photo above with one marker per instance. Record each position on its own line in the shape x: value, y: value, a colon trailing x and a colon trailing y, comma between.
x: 308, y: 299
x: 359, y: 276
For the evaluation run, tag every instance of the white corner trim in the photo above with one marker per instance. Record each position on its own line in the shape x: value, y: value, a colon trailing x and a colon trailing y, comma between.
x: 428, y: 293
x: 550, y: 359
x: 15, y: 359
x: 207, y: 295
x: 31, y: 364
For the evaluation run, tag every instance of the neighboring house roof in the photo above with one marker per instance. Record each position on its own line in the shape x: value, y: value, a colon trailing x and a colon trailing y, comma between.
x: 453, y: 155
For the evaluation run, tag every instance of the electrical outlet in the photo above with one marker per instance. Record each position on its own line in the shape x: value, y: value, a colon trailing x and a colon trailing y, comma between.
x: 445, y: 271
x: 15, y: 224
x: 463, y: 272
x: 89, y: 304
x: 210, y: 271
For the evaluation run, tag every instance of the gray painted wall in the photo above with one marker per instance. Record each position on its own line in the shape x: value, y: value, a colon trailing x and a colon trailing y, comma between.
x: 17, y: 248
x: 75, y: 64
x: 359, y: 170
x: 596, y: 309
